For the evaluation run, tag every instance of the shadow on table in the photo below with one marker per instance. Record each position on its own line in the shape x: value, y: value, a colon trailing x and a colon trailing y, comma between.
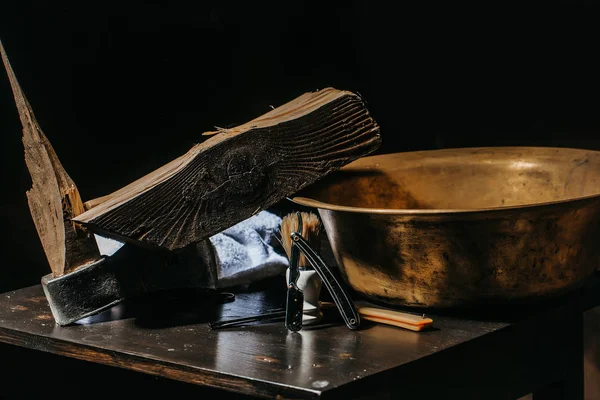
x: 508, y: 312
x: 169, y: 308
x: 191, y: 306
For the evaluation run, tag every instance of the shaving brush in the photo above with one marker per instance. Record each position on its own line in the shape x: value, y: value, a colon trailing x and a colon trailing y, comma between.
x: 309, y: 281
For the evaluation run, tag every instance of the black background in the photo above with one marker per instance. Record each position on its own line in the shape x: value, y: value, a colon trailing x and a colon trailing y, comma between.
x: 123, y: 88
x: 120, y: 89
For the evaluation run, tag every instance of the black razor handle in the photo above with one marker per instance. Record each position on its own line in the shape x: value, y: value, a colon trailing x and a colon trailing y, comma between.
x: 294, y: 309
x: 338, y: 293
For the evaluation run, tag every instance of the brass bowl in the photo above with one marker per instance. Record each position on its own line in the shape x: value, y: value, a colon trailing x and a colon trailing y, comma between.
x: 467, y: 226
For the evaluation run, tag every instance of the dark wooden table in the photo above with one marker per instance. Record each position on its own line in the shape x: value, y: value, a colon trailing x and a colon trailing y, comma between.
x: 488, y: 353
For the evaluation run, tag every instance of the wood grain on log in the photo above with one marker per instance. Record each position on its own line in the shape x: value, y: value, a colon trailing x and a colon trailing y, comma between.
x: 53, y: 198
x: 238, y: 172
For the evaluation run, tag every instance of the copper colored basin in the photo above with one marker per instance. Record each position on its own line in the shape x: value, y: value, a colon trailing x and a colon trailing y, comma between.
x: 465, y: 226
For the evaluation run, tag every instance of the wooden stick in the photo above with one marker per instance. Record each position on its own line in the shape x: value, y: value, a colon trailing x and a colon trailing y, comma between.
x: 53, y: 198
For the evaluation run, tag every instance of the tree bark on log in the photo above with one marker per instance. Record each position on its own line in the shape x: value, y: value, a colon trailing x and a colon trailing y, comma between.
x: 238, y: 172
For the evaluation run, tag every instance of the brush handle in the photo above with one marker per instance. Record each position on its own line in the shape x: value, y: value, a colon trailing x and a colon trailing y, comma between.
x: 413, y: 322
x: 397, y: 318
x: 336, y: 290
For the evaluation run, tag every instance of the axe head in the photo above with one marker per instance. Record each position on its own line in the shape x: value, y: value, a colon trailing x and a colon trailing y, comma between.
x: 126, y: 271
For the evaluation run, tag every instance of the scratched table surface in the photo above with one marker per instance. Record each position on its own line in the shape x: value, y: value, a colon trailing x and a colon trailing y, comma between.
x: 168, y: 335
